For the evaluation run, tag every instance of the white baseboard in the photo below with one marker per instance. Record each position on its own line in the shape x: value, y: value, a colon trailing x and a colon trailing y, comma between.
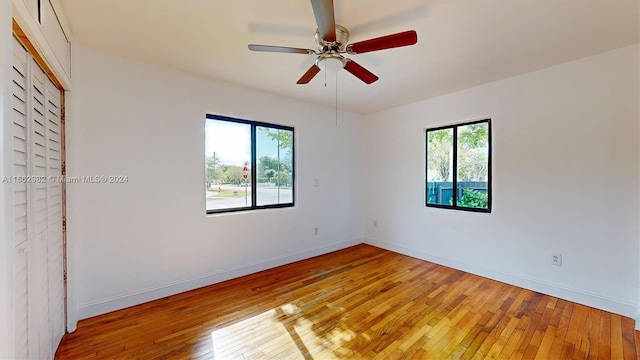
x: 560, y: 291
x: 138, y: 297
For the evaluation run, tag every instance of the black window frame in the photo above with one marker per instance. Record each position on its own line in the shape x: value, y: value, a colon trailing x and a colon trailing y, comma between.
x: 254, y: 165
x: 455, y: 206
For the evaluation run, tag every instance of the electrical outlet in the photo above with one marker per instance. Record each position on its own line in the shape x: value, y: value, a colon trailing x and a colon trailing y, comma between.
x: 375, y: 223
x: 315, y: 231
x: 556, y: 259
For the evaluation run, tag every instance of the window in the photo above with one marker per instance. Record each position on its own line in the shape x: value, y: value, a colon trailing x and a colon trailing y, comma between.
x: 459, y: 157
x: 233, y: 149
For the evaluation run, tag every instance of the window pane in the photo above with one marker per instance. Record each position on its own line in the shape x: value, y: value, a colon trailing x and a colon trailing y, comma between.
x: 473, y: 165
x: 440, y: 167
x: 227, y: 152
x: 274, y: 152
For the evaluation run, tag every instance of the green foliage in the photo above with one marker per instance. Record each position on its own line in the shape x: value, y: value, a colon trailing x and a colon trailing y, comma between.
x: 213, y: 168
x: 284, y: 137
x: 473, y: 136
x: 233, y: 174
x: 270, y: 173
x: 274, y: 171
x: 473, y: 150
x: 472, y: 153
x: 216, y: 172
x: 284, y: 178
x: 473, y: 198
x: 439, y: 151
x: 277, y: 170
x: 269, y: 163
x: 230, y: 192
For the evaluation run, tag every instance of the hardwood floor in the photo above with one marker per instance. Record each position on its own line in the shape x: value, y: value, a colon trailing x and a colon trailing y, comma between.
x: 361, y: 302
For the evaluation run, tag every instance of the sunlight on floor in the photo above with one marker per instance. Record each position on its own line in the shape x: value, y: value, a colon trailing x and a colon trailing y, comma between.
x: 282, y: 332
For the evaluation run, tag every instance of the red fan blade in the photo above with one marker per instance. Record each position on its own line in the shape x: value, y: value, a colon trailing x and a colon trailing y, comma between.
x: 384, y: 42
x: 281, y: 49
x: 313, y: 70
x: 325, y: 18
x: 360, y: 72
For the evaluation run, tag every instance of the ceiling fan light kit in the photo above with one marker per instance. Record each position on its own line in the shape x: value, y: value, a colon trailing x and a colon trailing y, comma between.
x: 331, y: 62
x: 332, y: 42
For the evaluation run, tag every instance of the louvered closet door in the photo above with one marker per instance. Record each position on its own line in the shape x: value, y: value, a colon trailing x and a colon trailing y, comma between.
x: 20, y: 153
x: 38, y: 252
x: 54, y: 215
x: 39, y: 282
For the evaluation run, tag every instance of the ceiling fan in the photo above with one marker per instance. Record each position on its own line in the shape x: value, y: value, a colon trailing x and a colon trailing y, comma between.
x: 332, y: 43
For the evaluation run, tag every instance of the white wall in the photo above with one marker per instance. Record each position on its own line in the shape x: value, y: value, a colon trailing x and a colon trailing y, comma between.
x: 565, y: 180
x: 151, y: 237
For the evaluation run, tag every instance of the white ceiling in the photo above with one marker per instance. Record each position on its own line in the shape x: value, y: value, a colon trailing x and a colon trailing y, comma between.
x: 461, y: 43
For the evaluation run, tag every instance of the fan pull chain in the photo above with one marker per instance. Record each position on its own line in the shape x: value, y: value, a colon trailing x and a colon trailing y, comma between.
x: 325, y: 73
x: 336, y: 99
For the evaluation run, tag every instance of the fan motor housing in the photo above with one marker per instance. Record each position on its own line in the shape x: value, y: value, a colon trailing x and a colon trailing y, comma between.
x: 342, y: 37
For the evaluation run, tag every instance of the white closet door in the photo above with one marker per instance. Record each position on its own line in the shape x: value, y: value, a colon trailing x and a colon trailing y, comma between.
x: 20, y: 168
x: 37, y: 210
x: 54, y: 212
x: 38, y: 252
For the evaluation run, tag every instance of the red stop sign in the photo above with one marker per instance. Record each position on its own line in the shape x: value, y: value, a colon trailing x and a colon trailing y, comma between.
x: 245, y: 173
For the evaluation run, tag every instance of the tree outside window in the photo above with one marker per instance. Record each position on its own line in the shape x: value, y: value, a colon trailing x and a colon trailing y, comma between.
x: 459, y: 166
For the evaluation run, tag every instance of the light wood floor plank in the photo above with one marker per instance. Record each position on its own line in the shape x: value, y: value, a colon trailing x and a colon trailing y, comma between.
x: 358, y: 303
